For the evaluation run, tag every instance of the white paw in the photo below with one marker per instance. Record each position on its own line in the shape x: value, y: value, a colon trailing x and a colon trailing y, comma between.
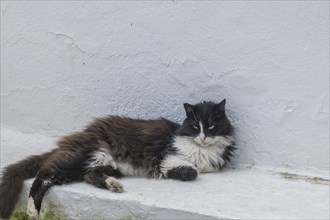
x: 31, y: 209
x: 114, y: 185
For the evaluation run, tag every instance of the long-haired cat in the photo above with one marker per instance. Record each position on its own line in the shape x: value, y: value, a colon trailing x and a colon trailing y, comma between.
x: 114, y: 146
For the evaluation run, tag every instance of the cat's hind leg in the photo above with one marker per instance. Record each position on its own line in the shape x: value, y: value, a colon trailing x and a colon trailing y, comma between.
x: 104, y: 177
x: 63, y: 167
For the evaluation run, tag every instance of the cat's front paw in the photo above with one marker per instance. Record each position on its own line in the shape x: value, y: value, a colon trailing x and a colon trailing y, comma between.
x: 114, y: 185
x: 184, y: 173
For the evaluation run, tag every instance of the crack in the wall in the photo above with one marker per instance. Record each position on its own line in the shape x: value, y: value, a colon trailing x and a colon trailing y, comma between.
x: 172, y: 62
x: 74, y: 45
x: 71, y: 39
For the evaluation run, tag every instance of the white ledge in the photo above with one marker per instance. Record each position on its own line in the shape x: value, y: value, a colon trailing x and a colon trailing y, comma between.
x: 242, y: 193
x: 231, y: 194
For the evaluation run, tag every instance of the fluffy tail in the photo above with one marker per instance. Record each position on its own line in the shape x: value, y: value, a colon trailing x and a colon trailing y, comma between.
x: 12, y: 180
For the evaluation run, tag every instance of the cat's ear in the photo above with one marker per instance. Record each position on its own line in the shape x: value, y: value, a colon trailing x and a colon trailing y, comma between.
x: 189, y: 110
x: 221, y: 105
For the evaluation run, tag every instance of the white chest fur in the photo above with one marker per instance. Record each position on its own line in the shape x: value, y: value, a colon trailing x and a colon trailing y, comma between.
x: 202, y: 156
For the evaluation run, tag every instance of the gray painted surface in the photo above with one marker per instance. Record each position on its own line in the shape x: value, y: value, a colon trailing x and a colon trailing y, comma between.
x: 64, y: 63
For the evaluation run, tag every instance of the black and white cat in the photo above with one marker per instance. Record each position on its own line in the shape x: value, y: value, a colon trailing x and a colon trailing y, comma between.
x: 114, y: 146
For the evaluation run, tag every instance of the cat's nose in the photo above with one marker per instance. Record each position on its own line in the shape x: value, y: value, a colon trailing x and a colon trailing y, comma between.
x: 202, y: 139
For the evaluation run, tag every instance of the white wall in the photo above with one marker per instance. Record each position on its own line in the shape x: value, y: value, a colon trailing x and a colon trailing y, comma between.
x: 64, y: 63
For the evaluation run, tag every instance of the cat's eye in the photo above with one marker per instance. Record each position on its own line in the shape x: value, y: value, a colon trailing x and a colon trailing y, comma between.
x: 195, y: 127
x: 211, y: 127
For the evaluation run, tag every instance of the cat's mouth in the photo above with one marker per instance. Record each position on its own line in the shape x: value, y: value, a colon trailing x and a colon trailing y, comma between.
x: 204, y: 143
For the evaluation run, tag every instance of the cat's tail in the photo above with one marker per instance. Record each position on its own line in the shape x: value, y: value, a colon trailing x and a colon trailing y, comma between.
x: 12, y: 179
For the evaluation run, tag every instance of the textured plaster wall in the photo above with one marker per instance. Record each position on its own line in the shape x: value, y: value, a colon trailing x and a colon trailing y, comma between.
x: 63, y: 63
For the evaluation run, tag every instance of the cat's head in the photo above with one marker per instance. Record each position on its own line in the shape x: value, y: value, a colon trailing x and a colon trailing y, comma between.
x: 206, y: 123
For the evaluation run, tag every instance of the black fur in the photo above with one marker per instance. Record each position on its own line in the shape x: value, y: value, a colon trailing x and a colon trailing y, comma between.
x: 183, y: 173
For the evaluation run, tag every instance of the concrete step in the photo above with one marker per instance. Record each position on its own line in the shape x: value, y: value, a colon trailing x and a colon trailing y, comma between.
x: 234, y: 193
x: 231, y: 194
